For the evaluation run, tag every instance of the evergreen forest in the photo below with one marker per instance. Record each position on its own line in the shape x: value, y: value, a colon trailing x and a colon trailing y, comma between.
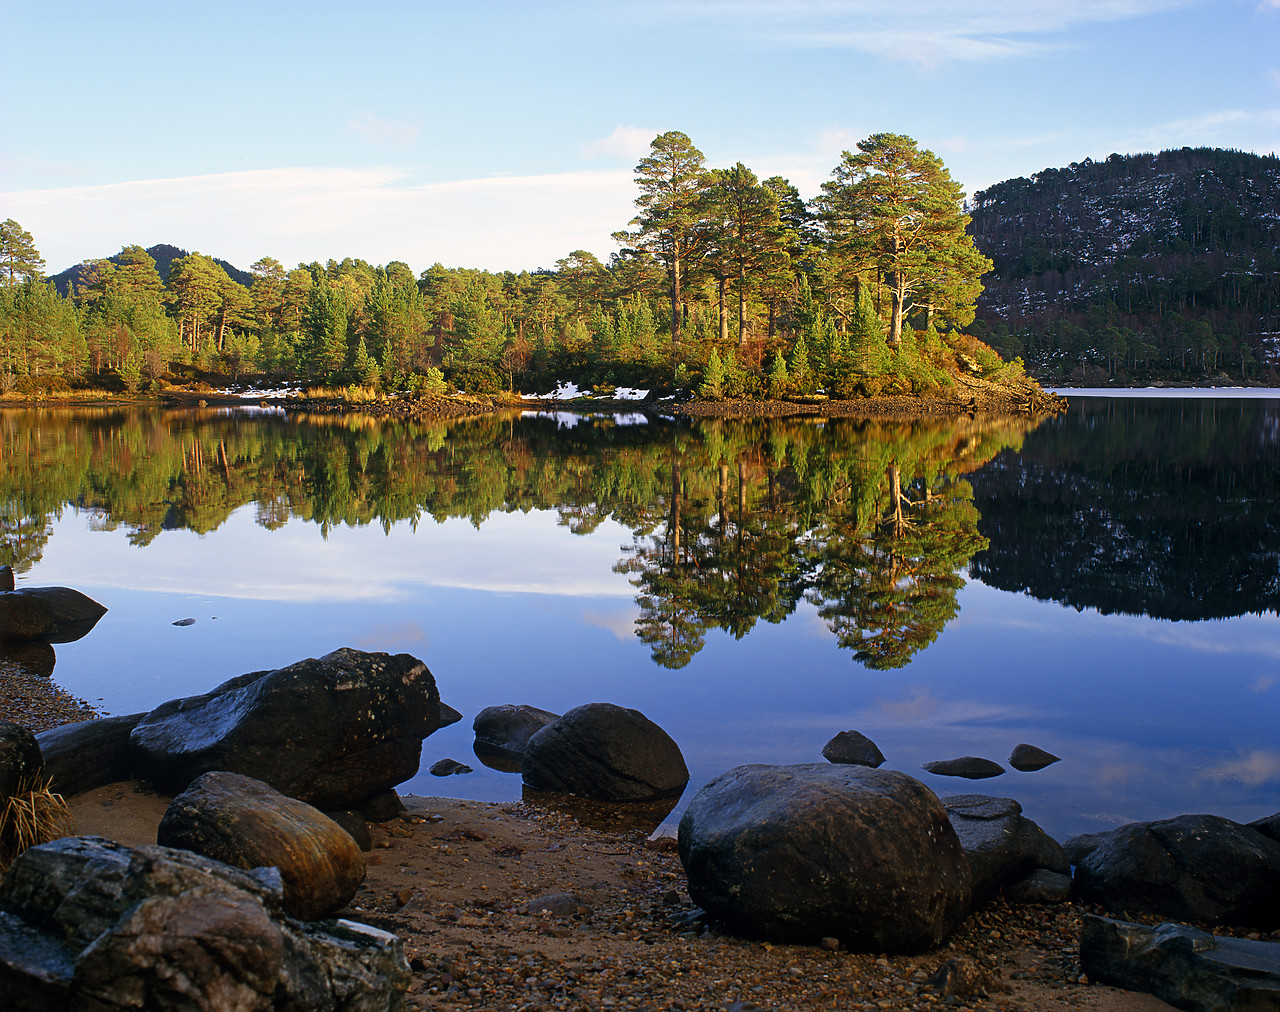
x: 1134, y: 269
x: 725, y: 285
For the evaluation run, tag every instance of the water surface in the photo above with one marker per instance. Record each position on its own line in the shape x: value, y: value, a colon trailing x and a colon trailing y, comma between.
x: 1105, y: 585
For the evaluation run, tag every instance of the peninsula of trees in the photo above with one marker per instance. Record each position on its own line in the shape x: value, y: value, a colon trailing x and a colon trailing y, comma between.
x: 725, y: 286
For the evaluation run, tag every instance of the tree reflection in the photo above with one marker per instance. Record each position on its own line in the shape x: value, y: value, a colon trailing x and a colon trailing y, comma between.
x: 732, y: 522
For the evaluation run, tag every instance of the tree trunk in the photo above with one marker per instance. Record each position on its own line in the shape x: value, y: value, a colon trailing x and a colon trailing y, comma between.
x: 724, y: 316
x: 742, y: 306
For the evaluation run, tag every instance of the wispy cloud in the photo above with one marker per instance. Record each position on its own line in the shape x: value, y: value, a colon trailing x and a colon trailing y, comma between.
x: 390, y: 132
x: 920, y: 31
x: 624, y: 142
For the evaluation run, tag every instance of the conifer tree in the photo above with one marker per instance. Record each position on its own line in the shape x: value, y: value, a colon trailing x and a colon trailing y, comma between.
x: 19, y: 259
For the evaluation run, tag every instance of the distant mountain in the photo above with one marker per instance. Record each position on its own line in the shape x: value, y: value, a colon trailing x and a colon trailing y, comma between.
x: 163, y: 254
x: 1136, y: 263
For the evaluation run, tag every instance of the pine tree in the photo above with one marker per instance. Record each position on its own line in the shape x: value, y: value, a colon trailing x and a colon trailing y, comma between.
x: 897, y: 209
x: 19, y: 259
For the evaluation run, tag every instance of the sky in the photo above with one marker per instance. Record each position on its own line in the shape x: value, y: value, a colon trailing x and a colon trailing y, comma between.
x: 504, y: 135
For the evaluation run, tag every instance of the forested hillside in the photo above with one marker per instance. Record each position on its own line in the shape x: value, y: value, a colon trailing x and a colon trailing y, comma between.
x: 1136, y: 268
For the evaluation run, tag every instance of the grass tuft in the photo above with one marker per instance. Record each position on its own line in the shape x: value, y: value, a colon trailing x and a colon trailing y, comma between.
x: 32, y: 815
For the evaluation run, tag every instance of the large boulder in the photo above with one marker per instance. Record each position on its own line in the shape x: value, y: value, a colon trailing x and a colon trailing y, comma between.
x: 246, y: 823
x: 605, y: 752
x: 21, y: 764
x: 51, y: 614
x: 1188, y: 968
x: 89, y: 753
x: 330, y: 732
x: 1002, y: 844
x: 90, y: 924
x: 1190, y: 868
x: 799, y: 853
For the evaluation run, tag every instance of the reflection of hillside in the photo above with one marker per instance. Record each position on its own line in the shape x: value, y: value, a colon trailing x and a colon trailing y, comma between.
x: 1175, y: 516
x: 732, y: 522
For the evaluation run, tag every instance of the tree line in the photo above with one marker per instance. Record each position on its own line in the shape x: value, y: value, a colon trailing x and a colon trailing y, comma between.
x: 723, y: 283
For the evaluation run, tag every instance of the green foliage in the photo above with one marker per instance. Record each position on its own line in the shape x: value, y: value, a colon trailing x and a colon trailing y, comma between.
x: 713, y: 377
x: 779, y: 378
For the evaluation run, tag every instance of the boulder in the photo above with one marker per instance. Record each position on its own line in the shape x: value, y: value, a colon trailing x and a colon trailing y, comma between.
x: 1028, y: 758
x: 798, y: 853
x: 506, y: 729
x: 51, y: 614
x: 89, y: 753
x: 605, y: 752
x: 245, y: 823
x: 970, y: 767
x: 1191, y: 868
x: 1003, y: 845
x: 853, y: 748
x: 90, y: 924
x: 21, y: 765
x: 6, y: 578
x: 1188, y: 968
x: 330, y: 732
x: 1041, y: 886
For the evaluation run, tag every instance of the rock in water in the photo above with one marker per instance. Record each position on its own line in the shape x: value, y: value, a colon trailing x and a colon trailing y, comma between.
x: 53, y: 614
x: 90, y: 924
x: 1188, y: 968
x: 606, y: 752
x: 1028, y: 758
x: 853, y: 748
x: 246, y: 823
x: 507, y: 728
x: 970, y: 767
x: 1003, y: 845
x: 448, y: 768
x: 798, y: 853
x: 1191, y: 868
x: 330, y: 732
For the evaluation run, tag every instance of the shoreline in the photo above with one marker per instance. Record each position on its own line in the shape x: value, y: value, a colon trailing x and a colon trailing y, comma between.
x: 454, y: 879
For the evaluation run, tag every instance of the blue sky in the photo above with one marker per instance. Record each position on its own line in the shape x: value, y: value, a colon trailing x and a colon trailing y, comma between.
x: 502, y: 135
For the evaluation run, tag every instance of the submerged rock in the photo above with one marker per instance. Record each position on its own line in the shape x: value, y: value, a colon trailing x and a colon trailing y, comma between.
x: 507, y: 728
x: 970, y: 767
x: 799, y: 853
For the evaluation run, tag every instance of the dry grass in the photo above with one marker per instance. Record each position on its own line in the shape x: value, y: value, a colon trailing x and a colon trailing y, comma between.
x: 33, y: 815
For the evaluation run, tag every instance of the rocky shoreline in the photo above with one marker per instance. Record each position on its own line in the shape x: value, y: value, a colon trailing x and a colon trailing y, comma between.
x: 465, y: 884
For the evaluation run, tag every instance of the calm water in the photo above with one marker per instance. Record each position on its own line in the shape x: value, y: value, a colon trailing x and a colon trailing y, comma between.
x: 1105, y: 586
